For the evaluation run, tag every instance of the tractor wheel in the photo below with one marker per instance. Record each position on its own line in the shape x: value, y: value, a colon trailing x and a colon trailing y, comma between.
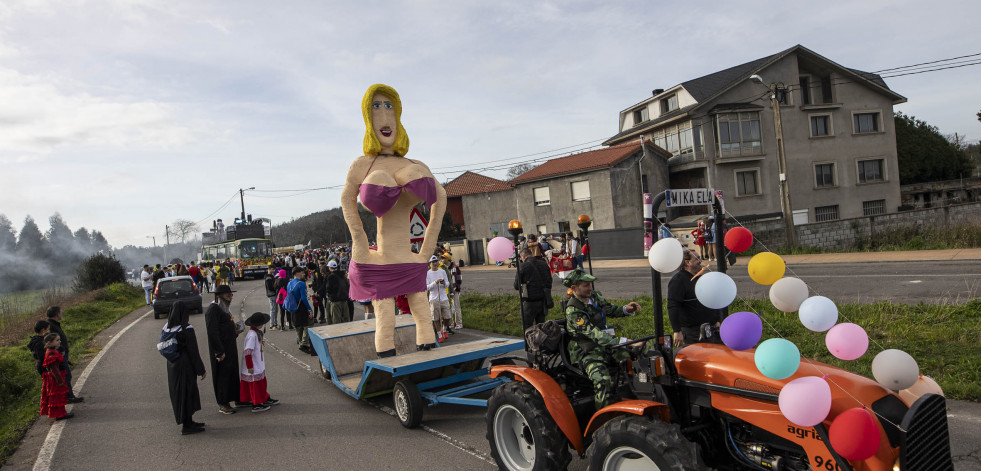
x: 408, y: 404
x: 521, y: 432
x: 635, y: 442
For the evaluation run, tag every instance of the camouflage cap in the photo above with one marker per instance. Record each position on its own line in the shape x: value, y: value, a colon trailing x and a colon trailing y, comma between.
x: 577, y: 276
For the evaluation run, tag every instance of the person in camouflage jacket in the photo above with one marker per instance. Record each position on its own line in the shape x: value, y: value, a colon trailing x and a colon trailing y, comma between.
x: 592, y: 340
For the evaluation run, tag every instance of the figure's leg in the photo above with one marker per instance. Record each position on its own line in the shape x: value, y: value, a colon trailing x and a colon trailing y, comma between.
x: 384, y: 326
x: 599, y: 374
x: 422, y: 316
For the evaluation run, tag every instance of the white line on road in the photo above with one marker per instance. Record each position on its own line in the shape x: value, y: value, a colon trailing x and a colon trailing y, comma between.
x: 44, y: 456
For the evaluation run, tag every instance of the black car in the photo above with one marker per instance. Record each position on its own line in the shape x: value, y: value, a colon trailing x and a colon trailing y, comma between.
x: 176, y: 288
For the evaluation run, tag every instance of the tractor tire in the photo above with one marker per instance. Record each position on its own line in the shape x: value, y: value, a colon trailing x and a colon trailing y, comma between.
x: 636, y: 442
x: 408, y: 404
x: 521, y: 432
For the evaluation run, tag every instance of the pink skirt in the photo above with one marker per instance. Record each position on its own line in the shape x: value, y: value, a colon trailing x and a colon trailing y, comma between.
x: 386, y: 281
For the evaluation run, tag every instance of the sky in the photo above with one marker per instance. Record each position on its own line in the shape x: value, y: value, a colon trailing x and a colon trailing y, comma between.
x: 125, y: 115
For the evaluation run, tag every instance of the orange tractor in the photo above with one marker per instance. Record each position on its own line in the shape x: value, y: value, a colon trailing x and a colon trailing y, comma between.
x: 703, y: 406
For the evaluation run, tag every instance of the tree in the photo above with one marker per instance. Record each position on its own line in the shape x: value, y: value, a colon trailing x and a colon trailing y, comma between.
x: 99, y: 242
x: 31, y: 243
x: 98, y: 271
x: 83, y: 240
x: 62, y: 241
x: 925, y: 155
x: 517, y: 170
x: 181, y: 229
x: 8, y: 236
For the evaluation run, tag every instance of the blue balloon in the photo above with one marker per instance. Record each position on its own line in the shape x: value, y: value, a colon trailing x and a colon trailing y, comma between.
x: 777, y: 358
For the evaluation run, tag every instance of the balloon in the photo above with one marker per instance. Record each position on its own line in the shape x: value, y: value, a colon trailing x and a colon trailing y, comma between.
x: 766, y: 268
x: 738, y: 239
x: 847, y: 341
x: 715, y: 290
x: 806, y: 401
x: 924, y: 385
x: 500, y: 249
x: 818, y: 313
x: 787, y: 294
x: 777, y: 358
x: 666, y: 255
x: 741, y: 330
x: 854, y: 434
x: 895, y: 369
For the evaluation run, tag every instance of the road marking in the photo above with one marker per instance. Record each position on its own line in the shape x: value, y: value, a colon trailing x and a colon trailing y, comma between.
x: 388, y: 410
x: 44, y: 456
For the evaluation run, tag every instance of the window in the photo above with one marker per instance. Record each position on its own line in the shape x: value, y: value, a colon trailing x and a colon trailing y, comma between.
x: 696, y: 134
x: 782, y: 96
x: 826, y: 90
x: 542, y: 229
x: 580, y: 191
x: 640, y: 116
x: 826, y: 213
x: 669, y: 104
x: 824, y: 175
x: 866, y: 122
x: 874, y: 208
x: 870, y: 171
x: 564, y: 226
x: 541, y: 196
x: 805, y: 90
x: 821, y: 125
x: 739, y: 134
x: 644, y: 188
x: 747, y: 182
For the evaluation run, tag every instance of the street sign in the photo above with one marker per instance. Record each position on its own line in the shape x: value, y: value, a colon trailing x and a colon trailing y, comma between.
x: 417, y: 226
x: 688, y: 197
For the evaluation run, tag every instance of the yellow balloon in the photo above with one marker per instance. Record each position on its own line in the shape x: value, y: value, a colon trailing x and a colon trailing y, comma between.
x: 766, y: 268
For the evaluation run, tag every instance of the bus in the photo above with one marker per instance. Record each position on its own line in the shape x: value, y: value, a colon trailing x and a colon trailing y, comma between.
x: 251, y: 257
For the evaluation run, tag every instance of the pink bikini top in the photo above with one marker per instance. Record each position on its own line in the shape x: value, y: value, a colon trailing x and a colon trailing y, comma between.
x: 379, y: 199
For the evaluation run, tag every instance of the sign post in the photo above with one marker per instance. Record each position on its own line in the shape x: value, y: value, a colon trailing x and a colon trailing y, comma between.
x: 417, y: 226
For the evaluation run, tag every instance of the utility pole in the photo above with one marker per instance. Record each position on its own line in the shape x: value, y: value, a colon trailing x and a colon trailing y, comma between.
x: 241, y: 197
x: 788, y: 218
x: 167, y: 235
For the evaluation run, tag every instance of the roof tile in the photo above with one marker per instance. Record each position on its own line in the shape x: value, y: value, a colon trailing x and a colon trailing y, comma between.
x: 470, y: 183
x: 602, y: 158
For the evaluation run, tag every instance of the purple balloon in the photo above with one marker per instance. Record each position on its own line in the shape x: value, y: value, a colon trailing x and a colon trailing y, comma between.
x: 741, y: 331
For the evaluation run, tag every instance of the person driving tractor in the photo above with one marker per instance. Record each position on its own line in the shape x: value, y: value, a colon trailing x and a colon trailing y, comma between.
x: 592, y: 340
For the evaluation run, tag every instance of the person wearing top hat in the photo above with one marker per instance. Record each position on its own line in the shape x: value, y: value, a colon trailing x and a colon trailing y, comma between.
x: 252, y: 387
x: 592, y: 339
x: 222, y: 333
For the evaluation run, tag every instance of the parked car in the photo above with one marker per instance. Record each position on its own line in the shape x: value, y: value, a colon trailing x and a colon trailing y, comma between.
x: 176, y: 288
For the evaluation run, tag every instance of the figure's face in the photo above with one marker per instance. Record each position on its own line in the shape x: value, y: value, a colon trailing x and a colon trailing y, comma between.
x: 383, y: 119
x: 583, y: 289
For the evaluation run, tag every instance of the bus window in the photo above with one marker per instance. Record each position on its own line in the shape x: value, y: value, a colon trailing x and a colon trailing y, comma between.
x: 254, y: 248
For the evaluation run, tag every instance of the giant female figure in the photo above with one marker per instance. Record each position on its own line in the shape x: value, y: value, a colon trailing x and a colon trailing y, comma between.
x: 390, y: 185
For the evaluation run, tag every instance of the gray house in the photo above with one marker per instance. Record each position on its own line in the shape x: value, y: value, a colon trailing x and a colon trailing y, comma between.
x: 606, y: 184
x: 719, y: 129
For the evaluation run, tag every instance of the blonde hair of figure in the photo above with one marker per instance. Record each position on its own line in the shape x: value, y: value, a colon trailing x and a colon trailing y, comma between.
x: 371, y: 145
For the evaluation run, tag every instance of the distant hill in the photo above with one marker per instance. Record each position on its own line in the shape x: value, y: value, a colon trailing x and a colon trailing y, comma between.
x: 320, y: 228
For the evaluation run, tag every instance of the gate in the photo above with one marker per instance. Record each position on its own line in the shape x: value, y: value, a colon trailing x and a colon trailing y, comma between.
x: 475, y: 249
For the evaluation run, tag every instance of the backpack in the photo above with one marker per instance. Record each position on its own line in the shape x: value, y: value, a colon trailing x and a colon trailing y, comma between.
x: 544, y: 338
x: 168, y: 346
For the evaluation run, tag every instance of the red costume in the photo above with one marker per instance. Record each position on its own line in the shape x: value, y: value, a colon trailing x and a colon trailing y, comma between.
x: 699, y: 235
x: 54, y: 389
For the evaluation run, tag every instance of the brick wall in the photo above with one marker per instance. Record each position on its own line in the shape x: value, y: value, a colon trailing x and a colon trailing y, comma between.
x: 846, y: 233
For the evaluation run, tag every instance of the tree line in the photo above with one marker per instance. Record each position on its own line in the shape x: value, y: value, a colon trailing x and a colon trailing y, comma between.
x: 324, y: 228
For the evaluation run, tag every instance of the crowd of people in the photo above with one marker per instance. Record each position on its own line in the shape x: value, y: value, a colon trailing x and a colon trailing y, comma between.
x: 206, y: 275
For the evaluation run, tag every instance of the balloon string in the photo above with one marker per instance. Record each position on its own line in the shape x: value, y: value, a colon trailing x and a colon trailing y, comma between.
x: 809, y: 362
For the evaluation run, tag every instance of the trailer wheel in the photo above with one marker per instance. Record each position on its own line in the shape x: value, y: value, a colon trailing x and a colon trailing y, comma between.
x: 408, y: 404
x: 324, y: 371
x: 635, y: 442
x: 522, y: 434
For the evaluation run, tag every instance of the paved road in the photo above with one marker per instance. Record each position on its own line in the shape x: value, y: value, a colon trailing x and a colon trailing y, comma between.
x: 126, y: 421
x: 903, y: 282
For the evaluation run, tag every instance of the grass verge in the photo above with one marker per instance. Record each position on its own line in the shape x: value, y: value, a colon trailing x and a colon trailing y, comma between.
x: 943, y: 339
x: 922, y: 237
x: 20, y: 385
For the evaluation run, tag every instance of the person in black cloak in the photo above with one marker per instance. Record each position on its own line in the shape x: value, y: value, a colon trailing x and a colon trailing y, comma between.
x: 184, y: 395
x: 222, y: 333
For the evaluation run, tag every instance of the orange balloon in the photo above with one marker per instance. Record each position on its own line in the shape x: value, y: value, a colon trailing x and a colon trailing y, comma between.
x: 924, y: 385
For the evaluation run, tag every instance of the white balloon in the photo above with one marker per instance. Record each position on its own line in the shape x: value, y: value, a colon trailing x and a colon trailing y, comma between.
x: 818, y: 313
x: 715, y: 290
x: 895, y: 369
x: 787, y: 294
x: 666, y: 255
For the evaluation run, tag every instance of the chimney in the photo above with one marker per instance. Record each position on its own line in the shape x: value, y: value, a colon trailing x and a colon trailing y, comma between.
x: 657, y: 91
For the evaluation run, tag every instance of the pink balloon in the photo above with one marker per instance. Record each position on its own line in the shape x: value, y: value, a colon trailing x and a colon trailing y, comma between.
x: 847, y: 341
x: 500, y: 249
x: 924, y: 385
x: 806, y: 401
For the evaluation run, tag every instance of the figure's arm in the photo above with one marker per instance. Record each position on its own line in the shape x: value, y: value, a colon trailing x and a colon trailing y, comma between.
x: 211, y: 323
x: 191, y: 349
x: 349, y: 206
x: 435, y: 220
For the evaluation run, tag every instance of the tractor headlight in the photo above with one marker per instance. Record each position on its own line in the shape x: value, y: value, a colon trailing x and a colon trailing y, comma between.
x: 895, y: 465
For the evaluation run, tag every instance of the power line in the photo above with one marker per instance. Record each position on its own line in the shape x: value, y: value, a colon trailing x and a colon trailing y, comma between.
x: 931, y: 62
x: 219, y: 208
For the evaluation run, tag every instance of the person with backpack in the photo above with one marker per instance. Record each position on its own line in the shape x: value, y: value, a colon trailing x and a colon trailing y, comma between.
x: 299, y: 308
x: 223, y: 274
x: 36, y: 344
x: 184, y: 366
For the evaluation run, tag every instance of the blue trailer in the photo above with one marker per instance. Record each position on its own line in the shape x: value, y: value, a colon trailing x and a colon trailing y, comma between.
x: 446, y: 375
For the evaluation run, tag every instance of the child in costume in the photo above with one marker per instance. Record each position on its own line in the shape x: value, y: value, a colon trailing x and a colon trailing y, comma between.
x: 252, y: 389
x: 54, y: 388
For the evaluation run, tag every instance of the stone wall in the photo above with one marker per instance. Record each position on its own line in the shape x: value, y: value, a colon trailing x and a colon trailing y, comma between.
x: 847, y: 233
